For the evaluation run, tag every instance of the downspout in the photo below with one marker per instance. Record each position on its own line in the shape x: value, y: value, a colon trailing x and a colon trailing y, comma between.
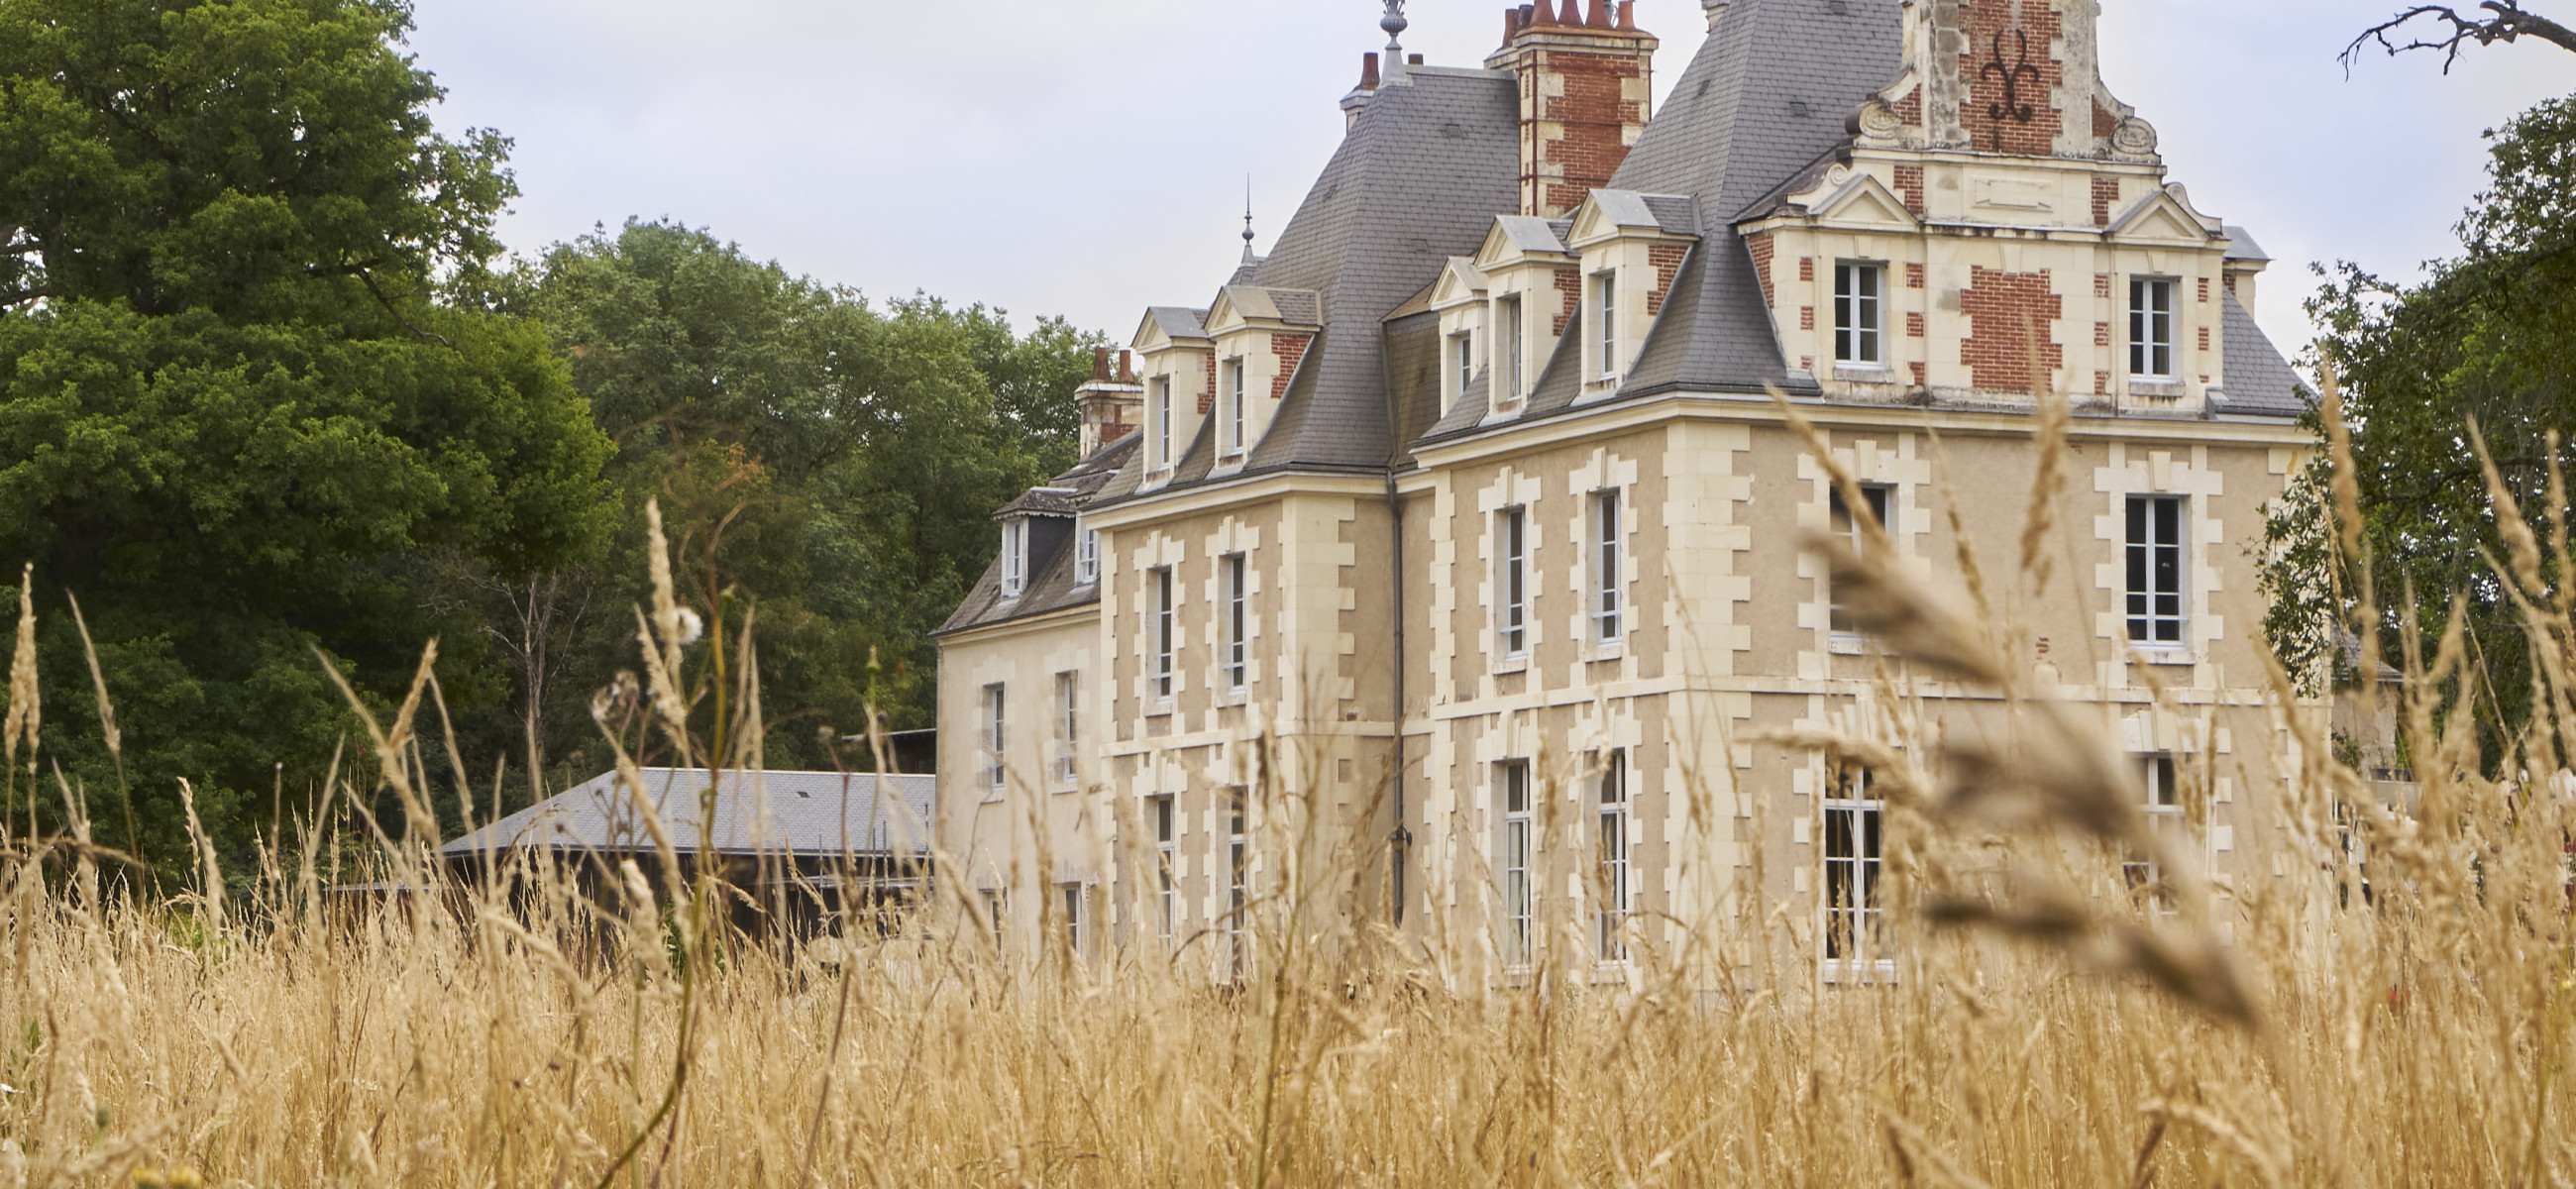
x: 1400, y: 840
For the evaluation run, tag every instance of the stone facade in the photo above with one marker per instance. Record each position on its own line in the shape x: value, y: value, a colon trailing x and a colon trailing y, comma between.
x: 1464, y: 544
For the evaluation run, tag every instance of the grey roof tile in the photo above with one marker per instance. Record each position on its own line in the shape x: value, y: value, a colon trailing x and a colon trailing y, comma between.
x: 1412, y: 354
x: 2241, y: 245
x: 810, y: 814
x: 1730, y: 132
x: 1529, y: 233
x: 2259, y: 382
x: 1418, y: 179
x: 1179, y: 323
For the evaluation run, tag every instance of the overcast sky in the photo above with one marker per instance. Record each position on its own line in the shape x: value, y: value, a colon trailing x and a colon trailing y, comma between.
x: 1087, y: 157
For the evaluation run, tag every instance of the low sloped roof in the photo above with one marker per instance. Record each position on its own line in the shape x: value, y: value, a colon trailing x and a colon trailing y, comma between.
x: 2259, y: 381
x: 811, y: 814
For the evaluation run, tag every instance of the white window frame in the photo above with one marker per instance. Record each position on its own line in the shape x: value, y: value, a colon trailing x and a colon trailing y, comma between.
x: 2143, y: 874
x: 1236, y: 570
x: 1161, y: 413
x: 997, y: 909
x: 1464, y: 343
x: 2153, y: 317
x: 1166, y: 814
x: 1618, y: 893
x: 1086, y: 554
x: 1512, y: 581
x: 1015, y: 556
x: 1882, y: 500
x: 1238, y: 807
x: 1852, y: 901
x: 1073, y: 901
x: 1068, y: 726
x: 1860, y: 314
x: 1605, y: 286
x: 2158, y: 572
x: 1609, y: 603
x: 1516, y: 851
x: 1162, y: 630
x: 996, y: 742
x: 1237, y: 415
x: 1507, y: 354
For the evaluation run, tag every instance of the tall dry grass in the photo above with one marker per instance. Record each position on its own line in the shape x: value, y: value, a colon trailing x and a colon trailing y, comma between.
x: 550, y: 1031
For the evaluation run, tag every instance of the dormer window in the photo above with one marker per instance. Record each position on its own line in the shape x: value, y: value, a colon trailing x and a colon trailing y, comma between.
x: 1507, y: 353
x: 1086, y: 555
x: 1605, y: 289
x: 1859, y: 314
x: 1015, y: 556
x: 1463, y: 349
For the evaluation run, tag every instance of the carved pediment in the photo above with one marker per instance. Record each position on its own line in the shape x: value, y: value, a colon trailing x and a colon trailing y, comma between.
x: 1460, y: 283
x: 1859, y: 199
x: 2161, y: 217
x: 1514, y: 238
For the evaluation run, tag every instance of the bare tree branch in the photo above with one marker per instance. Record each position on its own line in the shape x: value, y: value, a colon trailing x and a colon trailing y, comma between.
x: 2506, y: 22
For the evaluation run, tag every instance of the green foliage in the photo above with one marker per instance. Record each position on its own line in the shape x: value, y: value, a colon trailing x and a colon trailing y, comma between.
x: 231, y: 417
x: 2483, y: 341
x: 263, y: 396
x: 832, y: 465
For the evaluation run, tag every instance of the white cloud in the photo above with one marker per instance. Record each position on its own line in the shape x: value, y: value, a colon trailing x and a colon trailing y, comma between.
x: 1087, y: 157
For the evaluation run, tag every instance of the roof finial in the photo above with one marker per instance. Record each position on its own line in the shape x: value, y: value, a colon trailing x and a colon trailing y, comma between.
x: 1394, y: 23
x: 1248, y: 257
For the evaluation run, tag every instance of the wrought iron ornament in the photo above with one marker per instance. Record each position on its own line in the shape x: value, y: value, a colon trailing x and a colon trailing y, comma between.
x: 2013, y: 107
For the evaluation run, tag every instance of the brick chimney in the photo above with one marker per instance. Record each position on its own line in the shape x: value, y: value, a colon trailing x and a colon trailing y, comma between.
x: 1585, y: 81
x: 1112, y: 405
x: 1361, y: 94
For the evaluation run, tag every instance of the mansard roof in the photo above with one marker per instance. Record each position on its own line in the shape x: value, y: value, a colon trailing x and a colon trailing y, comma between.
x: 1051, y: 586
x: 1766, y: 96
x: 1428, y: 163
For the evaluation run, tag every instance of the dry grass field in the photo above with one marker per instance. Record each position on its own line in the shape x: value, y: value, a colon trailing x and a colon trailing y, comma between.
x: 2046, y: 1034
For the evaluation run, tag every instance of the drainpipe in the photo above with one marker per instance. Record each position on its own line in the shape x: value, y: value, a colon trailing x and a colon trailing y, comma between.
x: 1401, y: 840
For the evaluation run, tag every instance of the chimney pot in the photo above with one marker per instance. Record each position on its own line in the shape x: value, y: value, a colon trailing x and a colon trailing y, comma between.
x: 1573, y: 14
x: 1628, y: 14
x: 1368, y: 71
x: 1599, y: 17
x: 1413, y: 59
x: 1126, y: 367
x: 1100, y: 365
x: 1546, y: 14
x: 1527, y: 14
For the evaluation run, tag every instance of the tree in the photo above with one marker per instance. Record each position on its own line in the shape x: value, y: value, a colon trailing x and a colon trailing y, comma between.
x: 234, y: 416
x: 2452, y: 30
x: 831, y: 464
x: 2481, y: 342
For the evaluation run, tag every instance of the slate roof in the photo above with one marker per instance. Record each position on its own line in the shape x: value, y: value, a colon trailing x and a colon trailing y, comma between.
x: 1431, y: 159
x: 1429, y: 168
x: 2241, y: 245
x: 1042, y: 501
x: 812, y: 814
x: 1729, y: 134
x: 1179, y: 323
x: 2259, y: 381
x: 1051, y: 586
x: 1529, y: 233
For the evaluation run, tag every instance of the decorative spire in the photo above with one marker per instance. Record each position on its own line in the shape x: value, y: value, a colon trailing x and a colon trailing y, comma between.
x: 1394, y: 24
x: 1248, y: 257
